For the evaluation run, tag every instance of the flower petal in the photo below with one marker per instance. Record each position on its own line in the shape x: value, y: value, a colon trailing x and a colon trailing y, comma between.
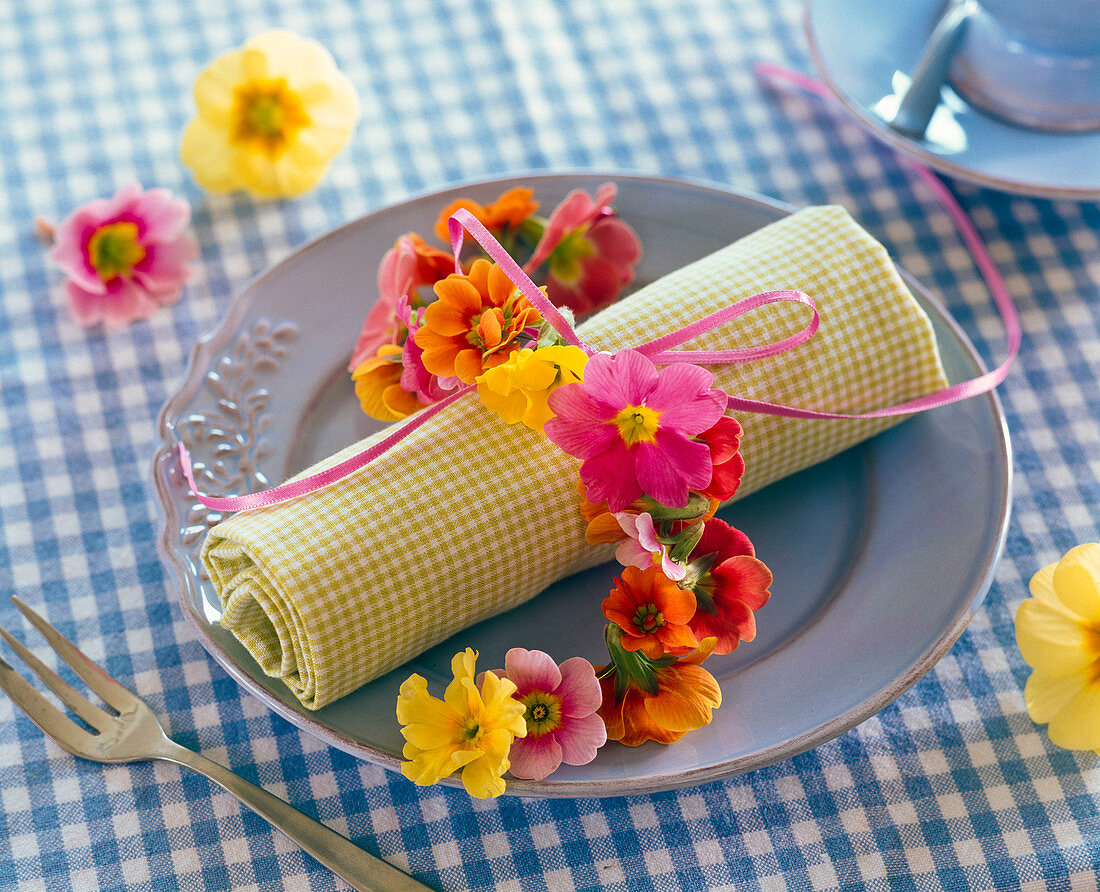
x: 616, y: 241
x: 669, y: 467
x: 686, y: 699
x: 426, y: 767
x: 609, y: 476
x: 579, y: 426
x: 536, y: 757
x: 692, y: 417
x: 581, y: 739
x: 86, y: 307
x: 531, y: 670
x: 1077, y: 580
x: 579, y: 689
x: 162, y: 218
x: 1077, y: 725
x: 1050, y: 640
x: 1047, y: 695
x: 206, y: 150
x: 678, y: 383
x: 482, y: 778
x: 1042, y: 586
x: 300, y: 61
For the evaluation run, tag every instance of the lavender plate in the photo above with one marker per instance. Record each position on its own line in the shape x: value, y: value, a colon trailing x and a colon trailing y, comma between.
x: 881, y: 555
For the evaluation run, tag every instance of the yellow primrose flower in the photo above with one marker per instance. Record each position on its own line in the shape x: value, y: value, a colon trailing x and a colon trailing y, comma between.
x: 517, y: 390
x: 1058, y: 632
x: 271, y: 115
x: 469, y: 728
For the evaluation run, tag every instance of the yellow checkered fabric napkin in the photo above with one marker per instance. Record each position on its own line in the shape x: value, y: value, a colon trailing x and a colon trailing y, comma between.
x: 332, y: 589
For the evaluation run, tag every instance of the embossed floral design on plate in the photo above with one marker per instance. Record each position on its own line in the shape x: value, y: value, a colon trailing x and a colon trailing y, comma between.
x: 226, y: 441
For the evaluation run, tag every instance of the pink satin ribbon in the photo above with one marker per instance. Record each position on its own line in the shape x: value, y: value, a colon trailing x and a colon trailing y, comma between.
x: 659, y: 349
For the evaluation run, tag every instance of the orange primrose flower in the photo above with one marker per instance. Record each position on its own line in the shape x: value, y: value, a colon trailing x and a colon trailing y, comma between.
x: 475, y: 324
x: 679, y: 697
x: 652, y: 611
x: 510, y: 209
x: 378, y: 386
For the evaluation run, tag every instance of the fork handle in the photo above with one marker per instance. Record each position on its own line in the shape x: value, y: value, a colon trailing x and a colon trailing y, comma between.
x: 340, y: 855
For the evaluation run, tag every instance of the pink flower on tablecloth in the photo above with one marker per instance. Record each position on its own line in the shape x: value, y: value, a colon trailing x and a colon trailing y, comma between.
x: 642, y: 548
x: 589, y: 252
x: 125, y: 256
x: 561, y: 703
x: 631, y: 425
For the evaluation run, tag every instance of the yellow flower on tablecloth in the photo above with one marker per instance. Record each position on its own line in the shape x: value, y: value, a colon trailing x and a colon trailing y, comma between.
x: 271, y: 116
x: 469, y: 729
x: 1058, y: 631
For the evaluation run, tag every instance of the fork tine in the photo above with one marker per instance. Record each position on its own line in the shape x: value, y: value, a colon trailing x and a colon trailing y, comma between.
x: 72, y: 698
x: 57, y: 726
x: 99, y: 681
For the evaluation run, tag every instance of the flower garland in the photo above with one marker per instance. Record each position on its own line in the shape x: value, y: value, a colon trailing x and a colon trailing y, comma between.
x: 434, y: 329
x: 657, y: 453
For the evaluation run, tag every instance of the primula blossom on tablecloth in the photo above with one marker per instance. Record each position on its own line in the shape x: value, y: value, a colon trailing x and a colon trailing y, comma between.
x: 632, y: 426
x: 1058, y: 631
x: 561, y: 703
x: 471, y: 729
x: 124, y: 256
x: 271, y: 116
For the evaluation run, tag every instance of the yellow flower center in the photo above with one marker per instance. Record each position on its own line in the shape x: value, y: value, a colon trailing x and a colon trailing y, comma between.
x: 114, y: 250
x: 543, y: 713
x: 637, y: 424
x: 471, y: 730
x: 267, y: 115
x: 648, y: 618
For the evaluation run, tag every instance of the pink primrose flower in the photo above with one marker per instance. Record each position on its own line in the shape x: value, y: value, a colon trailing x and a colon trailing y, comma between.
x: 125, y: 256
x: 590, y: 253
x: 642, y: 548
x: 415, y: 378
x: 561, y: 702
x: 632, y: 425
x: 410, y: 264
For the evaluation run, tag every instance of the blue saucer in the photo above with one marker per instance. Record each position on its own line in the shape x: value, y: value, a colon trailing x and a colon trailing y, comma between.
x: 865, y: 50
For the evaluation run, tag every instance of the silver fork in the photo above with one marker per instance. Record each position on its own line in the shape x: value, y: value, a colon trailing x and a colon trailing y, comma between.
x: 135, y: 735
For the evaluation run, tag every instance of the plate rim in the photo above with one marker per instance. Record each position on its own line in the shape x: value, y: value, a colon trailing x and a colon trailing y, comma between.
x: 878, y: 129
x: 166, y: 475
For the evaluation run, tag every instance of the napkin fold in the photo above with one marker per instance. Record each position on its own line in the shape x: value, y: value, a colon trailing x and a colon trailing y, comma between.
x: 468, y: 517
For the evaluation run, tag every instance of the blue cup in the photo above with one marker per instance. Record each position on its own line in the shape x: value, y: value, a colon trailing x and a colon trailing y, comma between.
x: 1035, y: 63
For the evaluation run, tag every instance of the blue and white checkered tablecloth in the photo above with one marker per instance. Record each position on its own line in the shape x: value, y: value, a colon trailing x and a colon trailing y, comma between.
x: 951, y: 787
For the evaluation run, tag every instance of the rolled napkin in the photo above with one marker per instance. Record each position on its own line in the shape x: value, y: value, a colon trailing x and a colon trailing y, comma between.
x: 332, y: 589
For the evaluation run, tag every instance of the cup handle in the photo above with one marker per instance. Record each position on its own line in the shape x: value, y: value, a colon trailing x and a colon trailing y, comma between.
x: 923, y: 95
